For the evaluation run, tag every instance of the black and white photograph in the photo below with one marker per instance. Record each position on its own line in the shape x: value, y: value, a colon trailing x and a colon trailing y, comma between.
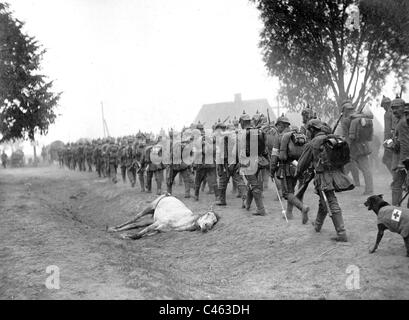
x: 218, y: 151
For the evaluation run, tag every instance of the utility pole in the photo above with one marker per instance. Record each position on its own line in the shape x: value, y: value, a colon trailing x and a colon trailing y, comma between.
x: 104, y: 123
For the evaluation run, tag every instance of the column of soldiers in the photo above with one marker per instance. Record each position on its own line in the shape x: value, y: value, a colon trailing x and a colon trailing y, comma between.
x: 289, y: 155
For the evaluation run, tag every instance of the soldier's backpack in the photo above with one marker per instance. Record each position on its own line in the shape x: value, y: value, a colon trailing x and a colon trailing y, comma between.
x: 335, y: 152
x: 292, y: 146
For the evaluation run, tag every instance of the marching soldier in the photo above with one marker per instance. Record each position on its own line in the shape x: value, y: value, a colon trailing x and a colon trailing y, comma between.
x: 4, y: 158
x: 387, y: 132
x: 349, y: 110
x: 154, y: 169
x: 399, y: 153
x: 307, y: 115
x: 81, y: 156
x: 75, y: 156
x: 123, y: 158
x: 130, y: 162
x: 139, y: 159
x: 283, y: 166
x: 113, y: 153
x: 226, y: 169
x: 329, y: 176
x: 206, y: 150
x: 97, y: 156
x: 176, y: 153
x: 88, y: 154
x: 248, y: 169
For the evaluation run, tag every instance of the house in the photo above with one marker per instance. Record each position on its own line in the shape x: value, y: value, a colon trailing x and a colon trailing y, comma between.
x: 211, y: 113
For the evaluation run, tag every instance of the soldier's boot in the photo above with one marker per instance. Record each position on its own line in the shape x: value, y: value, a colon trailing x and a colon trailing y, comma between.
x: 249, y: 199
x: 187, y: 190
x: 319, y: 220
x: 142, y: 183
x: 159, y: 187
x: 289, y: 210
x: 216, y: 192
x: 300, y: 206
x: 222, y: 198
x: 338, y: 222
x: 169, y: 188
x: 258, y: 199
x: 196, y: 196
x: 148, y: 186
x: 396, y: 197
x: 123, y: 176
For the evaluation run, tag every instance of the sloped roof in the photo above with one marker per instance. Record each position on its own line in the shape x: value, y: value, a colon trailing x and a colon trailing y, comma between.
x: 210, y: 113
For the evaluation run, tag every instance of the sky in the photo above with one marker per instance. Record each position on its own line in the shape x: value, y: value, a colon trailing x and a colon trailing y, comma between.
x: 152, y: 63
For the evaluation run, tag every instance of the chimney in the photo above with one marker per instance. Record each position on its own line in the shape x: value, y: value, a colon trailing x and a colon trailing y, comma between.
x: 237, y: 97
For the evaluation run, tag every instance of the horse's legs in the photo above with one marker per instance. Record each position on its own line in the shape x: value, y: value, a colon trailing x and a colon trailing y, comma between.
x: 150, y: 229
x: 124, y: 226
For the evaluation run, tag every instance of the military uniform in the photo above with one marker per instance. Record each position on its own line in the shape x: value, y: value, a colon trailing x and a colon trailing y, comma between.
x: 4, y: 158
x: 360, y: 151
x: 130, y: 163
x: 81, y: 157
x: 328, y: 179
x: 154, y: 169
x: 205, y: 171
x: 113, y: 153
x: 247, y: 165
x: 177, y: 166
x: 122, y: 155
x: 400, y: 139
x: 88, y: 155
x: 97, y: 156
x: 226, y: 170
x: 283, y: 166
x: 74, y: 150
x: 387, y: 132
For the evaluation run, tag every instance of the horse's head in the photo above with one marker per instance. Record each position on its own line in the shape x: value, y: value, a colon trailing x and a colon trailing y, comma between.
x: 207, y: 220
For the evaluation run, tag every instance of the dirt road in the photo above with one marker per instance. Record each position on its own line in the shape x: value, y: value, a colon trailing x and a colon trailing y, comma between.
x: 52, y: 216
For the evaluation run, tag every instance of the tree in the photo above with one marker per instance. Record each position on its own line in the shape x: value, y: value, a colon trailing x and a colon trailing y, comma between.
x: 319, y: 59
x: 26, y: 101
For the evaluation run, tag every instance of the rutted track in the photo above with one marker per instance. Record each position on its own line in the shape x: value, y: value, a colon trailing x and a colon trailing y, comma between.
x: 51, y: 216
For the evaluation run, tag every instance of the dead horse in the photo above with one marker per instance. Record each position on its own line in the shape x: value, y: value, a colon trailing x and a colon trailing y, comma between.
x: 169, y: 214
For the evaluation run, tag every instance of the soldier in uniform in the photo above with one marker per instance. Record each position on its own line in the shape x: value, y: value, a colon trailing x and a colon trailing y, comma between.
x: 123, y: 158
x: 177, y: 164
x: 81, y: 156
x: 205, y: 149
x: 399, y: 149
x: 283, y: 166
x: 259, y: 122
x: 60, y: 154
x: 228, y: 169
x: 307, y: 115
x: 254, y: 184
x: 348, y: 111
x: 74, y: 149
x: 130, y: 162
x: 154, y: 169
x: 88, y: 154
x: 387, y: 132
x: 97, y: 156
x: 139, y: 159
x: 329, y: 178
x: 4, y: 158
x: 106, y: 172
x: 113, y: 153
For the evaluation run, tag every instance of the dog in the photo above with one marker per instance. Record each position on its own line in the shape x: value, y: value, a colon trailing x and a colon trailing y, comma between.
x: 389, y: 218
